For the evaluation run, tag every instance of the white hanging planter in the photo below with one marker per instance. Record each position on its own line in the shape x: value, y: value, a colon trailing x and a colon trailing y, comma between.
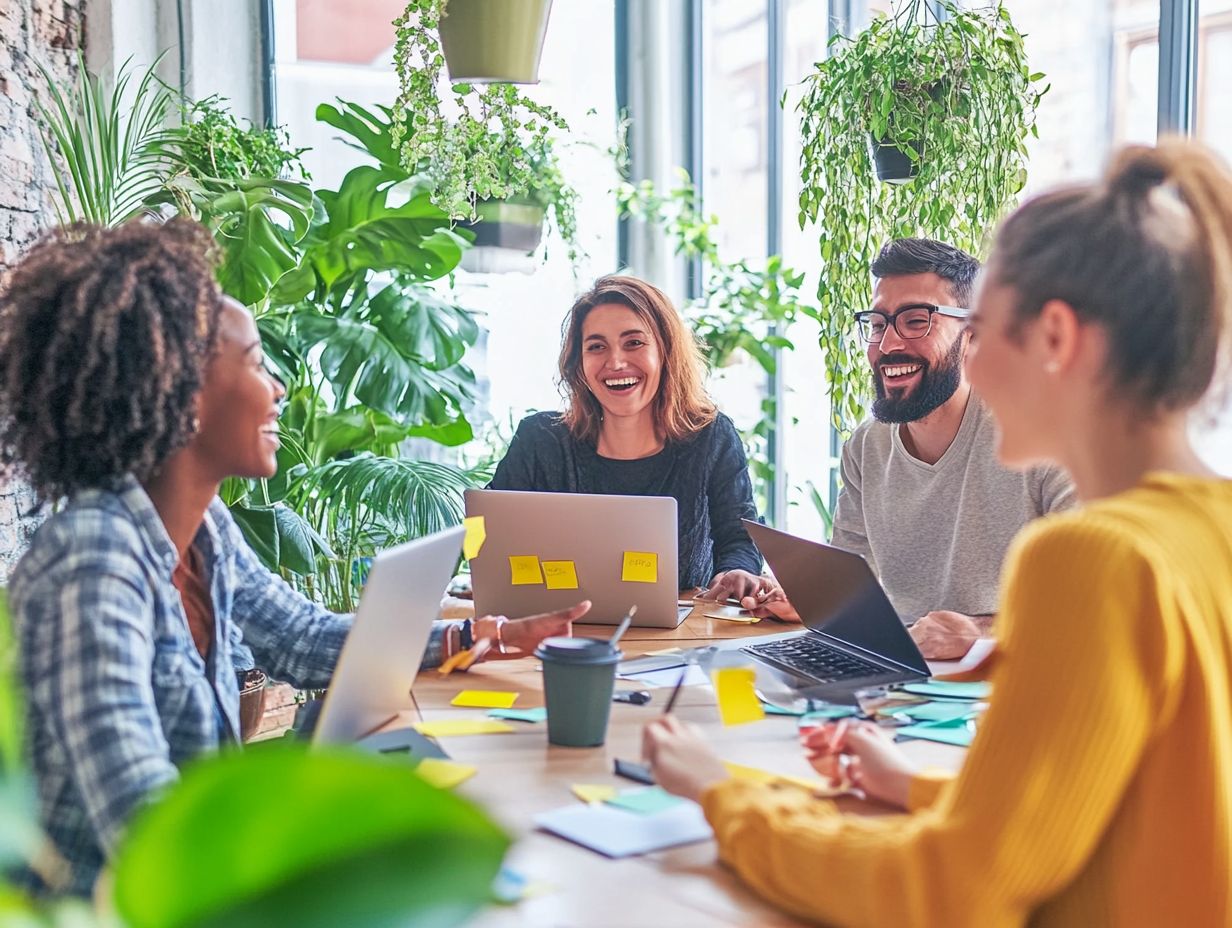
x: 490, y: 41
x: 506, y: 236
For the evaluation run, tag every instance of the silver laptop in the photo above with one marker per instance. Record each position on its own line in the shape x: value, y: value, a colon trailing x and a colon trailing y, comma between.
x: 378, y: 664
x: 601, y: 542
x: 854, y: 636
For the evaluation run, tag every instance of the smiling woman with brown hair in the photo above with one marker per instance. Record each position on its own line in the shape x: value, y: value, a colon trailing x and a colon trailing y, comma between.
x: 638, y: 422
x: 132, y: 388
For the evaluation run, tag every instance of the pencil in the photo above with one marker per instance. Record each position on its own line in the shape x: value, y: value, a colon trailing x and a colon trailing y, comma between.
x: 671, y: 700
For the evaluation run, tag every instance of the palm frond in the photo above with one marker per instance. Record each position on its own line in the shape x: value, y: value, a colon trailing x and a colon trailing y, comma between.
x: 111, y: 158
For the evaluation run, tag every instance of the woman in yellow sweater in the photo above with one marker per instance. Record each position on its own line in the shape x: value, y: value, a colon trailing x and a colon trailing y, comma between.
x: 1099, y: 788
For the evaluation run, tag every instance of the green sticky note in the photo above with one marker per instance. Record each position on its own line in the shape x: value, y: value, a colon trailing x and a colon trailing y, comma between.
x: 520, y: 715
x: 936, y: 711
x: 645, y: 801
x: 944, y: 688
x: 952, y: 732
x: 772, y: 709
x: 827, y: 714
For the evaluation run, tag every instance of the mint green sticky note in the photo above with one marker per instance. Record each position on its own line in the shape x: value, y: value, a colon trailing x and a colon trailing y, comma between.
x: 827, y: 713
x: 520, y: 715
x: 645, y: 801
x: 936, y: 711
x: 946, y: 688
x: 955, y: 732
x: 772, y: 709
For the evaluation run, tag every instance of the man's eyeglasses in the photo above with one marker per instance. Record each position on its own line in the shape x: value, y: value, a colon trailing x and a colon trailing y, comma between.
x: 914, y: 321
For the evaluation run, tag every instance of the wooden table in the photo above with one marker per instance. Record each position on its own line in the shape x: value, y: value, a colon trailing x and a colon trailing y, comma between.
x: 521, y: 775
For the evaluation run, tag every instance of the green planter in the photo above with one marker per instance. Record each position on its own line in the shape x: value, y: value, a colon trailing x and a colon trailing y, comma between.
x: 490, y: 41
x: 506, y: 235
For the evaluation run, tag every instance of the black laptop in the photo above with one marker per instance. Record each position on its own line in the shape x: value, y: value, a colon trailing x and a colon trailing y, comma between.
x: 854, y: 638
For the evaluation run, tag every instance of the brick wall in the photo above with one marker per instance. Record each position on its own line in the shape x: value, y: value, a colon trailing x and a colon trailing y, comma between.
x: 32, y: 32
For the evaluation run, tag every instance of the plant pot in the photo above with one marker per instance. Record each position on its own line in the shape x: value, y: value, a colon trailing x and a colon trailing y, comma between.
x: 506, y: 234
x: 892, y: 164
x: 252, y: 701
x: 489, y: 41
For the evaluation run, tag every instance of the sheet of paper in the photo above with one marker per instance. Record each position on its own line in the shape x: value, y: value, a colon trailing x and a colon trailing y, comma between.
x: 949, y: 689
x: 520, y: 715
x: 484, y: 699
x: 589, y: 792
x: 640, y: 567
x: 669, y: 676
x: 646, y: 800
x: 961, y: 735
x: 476, y: 534
x: 738, y: 702
x: 617, y: 833
x: 649, y: 662
x: 444, y: 774
x: 757, y: 775
x: 730, y: 614
x: 524, y: 569
x: 447, y: 727
x: 937, y: 711
x: 560, y: 575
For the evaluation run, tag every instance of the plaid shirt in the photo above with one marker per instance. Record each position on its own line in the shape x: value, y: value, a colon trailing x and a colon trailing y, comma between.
x: 118, y: 697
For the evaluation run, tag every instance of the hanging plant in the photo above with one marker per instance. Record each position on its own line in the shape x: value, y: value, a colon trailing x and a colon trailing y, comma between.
x: 952, y: 98
x: 482, y: 145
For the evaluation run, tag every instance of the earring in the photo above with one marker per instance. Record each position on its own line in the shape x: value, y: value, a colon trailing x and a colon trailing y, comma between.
x: 1052, y: 367
x: 194, y: 425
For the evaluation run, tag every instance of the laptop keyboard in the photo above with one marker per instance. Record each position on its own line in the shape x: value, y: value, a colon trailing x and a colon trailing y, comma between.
x: 809, y: 655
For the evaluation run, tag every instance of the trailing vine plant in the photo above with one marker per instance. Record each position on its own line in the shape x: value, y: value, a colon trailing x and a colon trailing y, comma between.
x: 487, y: 144
x: 955, y: 93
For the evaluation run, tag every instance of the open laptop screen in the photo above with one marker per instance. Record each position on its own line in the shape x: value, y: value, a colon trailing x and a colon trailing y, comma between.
x: 836, y: 593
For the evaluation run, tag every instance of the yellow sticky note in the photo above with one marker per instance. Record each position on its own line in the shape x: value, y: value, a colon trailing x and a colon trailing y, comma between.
x: 485, y: 699
x: 738, y: 703
x: 640, y: 567
x: 525, y: 569
x: 590, y: 793
x: 444, y: 774
x: 463, y: 727
x: 476, y: 532
x: 560, y: 575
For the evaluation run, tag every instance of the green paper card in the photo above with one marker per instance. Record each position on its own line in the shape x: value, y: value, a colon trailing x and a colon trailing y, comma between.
x: 645, y: 801
x: 946, y: 733
x: 945, y: 688
x: 772, y: 709
x: 936, y: 711
x: 520, y: 715
x: 827, y: 714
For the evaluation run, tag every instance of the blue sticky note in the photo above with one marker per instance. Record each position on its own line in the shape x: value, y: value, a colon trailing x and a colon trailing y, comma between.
x: 949, y: 689
x: 520, y: 715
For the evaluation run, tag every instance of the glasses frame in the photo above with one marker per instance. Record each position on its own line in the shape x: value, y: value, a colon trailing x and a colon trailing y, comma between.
x: 934, y: 309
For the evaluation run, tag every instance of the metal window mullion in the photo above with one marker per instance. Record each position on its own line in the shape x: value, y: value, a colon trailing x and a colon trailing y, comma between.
x: 1178, y: 66
x: 776, y: 34
x: 621, y: 28
x: 694, y: 139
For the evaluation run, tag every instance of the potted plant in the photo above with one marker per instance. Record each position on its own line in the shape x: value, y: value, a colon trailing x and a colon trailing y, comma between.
x: 493, y: 40
x: 474, y: 142
x: 509, y: 229
x: 941, y: 104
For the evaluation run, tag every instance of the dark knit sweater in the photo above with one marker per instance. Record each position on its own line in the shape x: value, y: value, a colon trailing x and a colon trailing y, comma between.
x: 707, y: 474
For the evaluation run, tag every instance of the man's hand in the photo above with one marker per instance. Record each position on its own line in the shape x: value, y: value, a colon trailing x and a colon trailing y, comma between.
x: 521, y: 636
x: 772, y: 604
x: 738, y: 584
x: 682, y: 762
x: 947, y: 636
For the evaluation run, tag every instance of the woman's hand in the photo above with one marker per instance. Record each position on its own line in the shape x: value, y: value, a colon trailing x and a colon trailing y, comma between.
x: 863, y: 754
x: 521, y: 636
x: 738, y: 584
x: 682, y: 762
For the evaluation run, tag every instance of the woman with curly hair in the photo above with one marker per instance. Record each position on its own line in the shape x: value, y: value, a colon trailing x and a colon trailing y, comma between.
x: 131, y: 388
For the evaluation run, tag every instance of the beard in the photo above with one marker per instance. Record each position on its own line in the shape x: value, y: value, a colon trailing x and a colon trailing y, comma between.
x: 936, y: 386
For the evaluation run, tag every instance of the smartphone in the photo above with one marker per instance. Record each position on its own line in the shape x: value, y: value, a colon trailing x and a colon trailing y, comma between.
x: 639, y: 773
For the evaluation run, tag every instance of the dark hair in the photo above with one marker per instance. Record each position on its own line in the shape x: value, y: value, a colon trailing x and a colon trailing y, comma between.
x: 1146, y: 252
x: 104, y: 338
x: 905, y: 256
x: 681, y: 406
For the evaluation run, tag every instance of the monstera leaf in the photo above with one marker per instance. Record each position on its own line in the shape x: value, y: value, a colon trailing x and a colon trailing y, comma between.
x: 368, y: 132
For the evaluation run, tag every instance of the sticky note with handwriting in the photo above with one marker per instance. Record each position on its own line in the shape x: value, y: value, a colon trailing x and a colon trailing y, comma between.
x: 560, y: 575
x: 476, y: 532
x: 524, y: 569
x: 738, y: 702
x: 640, y: 567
